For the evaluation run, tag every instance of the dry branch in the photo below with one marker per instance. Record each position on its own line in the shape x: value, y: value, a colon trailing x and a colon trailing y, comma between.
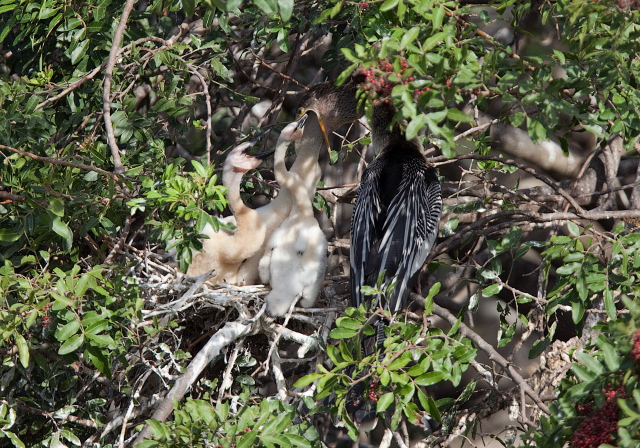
x: 231, y: 332
x: 54, y: 161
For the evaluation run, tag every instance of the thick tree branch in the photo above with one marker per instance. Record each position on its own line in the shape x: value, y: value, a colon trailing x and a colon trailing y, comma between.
x: 231, y: 332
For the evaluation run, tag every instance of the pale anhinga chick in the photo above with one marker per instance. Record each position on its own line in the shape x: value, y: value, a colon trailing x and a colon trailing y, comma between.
x: 223, y: 252
x: 327, y: 108
x: 393, y: 229
x: 295, y: 258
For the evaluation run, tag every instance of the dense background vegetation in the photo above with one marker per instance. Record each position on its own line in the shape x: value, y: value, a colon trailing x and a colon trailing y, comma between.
x: 115, y: 120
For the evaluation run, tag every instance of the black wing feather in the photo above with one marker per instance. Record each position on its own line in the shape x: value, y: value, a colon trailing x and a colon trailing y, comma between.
x: 395, y: 224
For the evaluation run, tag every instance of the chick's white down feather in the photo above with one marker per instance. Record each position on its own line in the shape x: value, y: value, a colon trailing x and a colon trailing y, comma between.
x: 295, y: 258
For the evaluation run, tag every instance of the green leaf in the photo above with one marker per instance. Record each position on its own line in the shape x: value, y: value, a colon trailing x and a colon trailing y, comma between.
x: 609, y: 304
x: 7, y: 8
x: 247, y: 439
x: 384, y: 402
x: 79, y: 51
x: 428, y: 301
x: 286, y: 9
x: 429, y: 405
x: 538, y: 347
x: 458, y: 116
x: 98, y: 359
x: 590, y: 362
x: 298, y: 441
x: 611, y: 358
x: 429, y: 378
x: 63, y: 230
x: 573, y: 228
x: 71, y: 437
x: 536, y: 130
x: 492, y: 290
x: 399, y: 362
x: 560, y: 56
x: 268, y: 6
x: 8, y: 236
x: 23, y: 349
x: 568, y: 268
x: 348, y: 322
x: 71, y: 344
x: 103, y: 340
x: 438, y: 16
x: 68, y: 330
x: 275, y: 439
x: 308, y: 379
x: 189, y: 7
x: 15, y: 440
x: 415, y: 125
x: 409, y: 37
x: 199, y: 168
x: 388, y: 5
x: 342, y: 333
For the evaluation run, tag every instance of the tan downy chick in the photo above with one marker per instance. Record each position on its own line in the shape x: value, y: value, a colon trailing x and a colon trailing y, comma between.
x: 223, y: 252
x: 295, y: 258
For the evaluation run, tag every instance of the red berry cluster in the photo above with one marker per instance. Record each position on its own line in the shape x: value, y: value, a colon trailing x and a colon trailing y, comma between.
x: 600, y: 424
x: 635, y: 351
x: 374, y: 393
x: 363, y: 5
x: 379, y: 80
x: 46, y: 319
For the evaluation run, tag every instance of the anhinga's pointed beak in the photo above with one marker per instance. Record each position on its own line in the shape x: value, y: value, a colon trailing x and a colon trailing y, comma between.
x: 305, y: 113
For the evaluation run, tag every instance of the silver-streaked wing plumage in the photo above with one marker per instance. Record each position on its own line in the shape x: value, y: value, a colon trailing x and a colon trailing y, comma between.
x: 394, y: 224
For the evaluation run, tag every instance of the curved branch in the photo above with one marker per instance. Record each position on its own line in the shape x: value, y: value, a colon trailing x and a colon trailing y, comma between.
x: 231, y: 331
x: 54, y: 161
x: 106, y: 95
x: 441, y: 160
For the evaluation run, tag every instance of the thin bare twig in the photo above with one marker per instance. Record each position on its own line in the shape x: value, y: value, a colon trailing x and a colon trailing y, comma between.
x: 207, y: 97
x: 55, y: 161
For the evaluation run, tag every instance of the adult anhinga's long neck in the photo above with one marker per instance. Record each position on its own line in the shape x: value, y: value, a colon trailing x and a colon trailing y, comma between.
x: 383, y: 134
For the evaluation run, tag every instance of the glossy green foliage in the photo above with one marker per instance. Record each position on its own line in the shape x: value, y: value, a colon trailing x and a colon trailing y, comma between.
x: 59, y: 321
x: 599, y: 402
x: 239, y: 424
x: 413, y: 357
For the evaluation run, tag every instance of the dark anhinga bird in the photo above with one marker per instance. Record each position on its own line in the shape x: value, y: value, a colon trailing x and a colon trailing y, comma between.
x: 393, y: 229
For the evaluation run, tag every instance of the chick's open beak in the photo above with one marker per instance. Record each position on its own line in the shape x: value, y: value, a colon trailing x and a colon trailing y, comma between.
x: 253, y: 142
x: 301, y: 121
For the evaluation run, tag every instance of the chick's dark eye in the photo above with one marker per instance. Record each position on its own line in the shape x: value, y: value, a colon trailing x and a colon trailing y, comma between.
x: 299, y: 111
